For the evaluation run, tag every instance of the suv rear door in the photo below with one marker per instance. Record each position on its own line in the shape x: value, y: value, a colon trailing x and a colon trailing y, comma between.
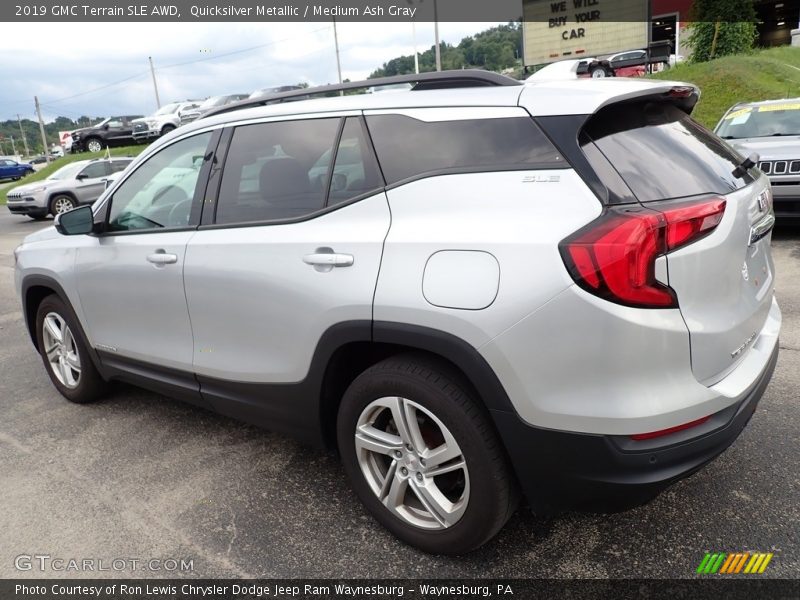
x: 724, y: 282
x: 288, y: 252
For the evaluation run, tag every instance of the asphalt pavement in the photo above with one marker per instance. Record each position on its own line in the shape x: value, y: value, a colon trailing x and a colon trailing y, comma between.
x: 141, y: 476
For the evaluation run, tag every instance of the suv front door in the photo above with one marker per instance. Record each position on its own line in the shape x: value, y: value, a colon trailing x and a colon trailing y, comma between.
x: 130, y: 279
x: 91, y: 181
x: 294, y: 252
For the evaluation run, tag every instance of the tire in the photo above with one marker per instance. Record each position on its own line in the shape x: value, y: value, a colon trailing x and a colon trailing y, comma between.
x: 599, y: 71
x: 61, y: 203
x: 166, y: 129
x: 66, y: 358
x: 472, y: 500
x: 93, y: 144
x: 38, y: 217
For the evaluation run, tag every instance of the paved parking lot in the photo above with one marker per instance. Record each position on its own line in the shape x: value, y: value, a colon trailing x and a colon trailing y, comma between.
x: 142, y: 476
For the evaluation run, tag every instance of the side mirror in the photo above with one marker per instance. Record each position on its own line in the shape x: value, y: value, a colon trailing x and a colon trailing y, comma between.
x: 105, y: 126
x: 78, y: 221
x: 81, y: 176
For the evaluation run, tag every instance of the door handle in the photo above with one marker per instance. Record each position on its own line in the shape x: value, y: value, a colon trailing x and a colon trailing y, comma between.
x: 160, y: 257
x: 324, y: 259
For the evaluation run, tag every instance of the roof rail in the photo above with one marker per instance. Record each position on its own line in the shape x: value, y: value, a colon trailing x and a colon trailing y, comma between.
x: 422, y: 81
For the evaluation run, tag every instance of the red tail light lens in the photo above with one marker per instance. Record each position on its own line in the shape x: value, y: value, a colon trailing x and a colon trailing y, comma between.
x: 669, y: 430
x: 614, y: 257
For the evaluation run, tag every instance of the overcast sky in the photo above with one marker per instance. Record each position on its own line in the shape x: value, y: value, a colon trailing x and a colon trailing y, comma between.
x: 64, y: 64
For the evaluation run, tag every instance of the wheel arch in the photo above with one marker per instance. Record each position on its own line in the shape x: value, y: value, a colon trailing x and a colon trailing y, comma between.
x: 53, y: 195
x: 350, y: 359
x: 36, y: 288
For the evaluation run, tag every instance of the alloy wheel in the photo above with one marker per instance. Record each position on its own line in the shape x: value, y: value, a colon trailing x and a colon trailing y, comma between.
x: 94, y: 146
x: 62, y: 205
x: 61, y: 350
x: 412, y: 463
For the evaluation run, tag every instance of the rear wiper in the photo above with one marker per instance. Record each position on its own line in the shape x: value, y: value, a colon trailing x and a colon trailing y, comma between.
x: 748, y: 163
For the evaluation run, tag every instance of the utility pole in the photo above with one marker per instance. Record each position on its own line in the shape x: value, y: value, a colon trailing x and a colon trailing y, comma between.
x: 22, y: 133
x: 338, y: 62
x: 155, y: 85
x: 41, y: 129
x: 13, y: 146
x: 416, y: 54
x: 436, y: 35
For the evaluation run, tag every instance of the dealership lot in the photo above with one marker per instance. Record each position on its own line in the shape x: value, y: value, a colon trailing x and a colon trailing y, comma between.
x: 142, y: 476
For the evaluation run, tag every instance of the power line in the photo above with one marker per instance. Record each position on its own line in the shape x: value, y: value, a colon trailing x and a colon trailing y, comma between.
x: 97, y: 89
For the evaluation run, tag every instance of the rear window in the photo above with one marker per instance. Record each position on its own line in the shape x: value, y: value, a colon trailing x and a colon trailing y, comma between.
x: 408, y: 147
x: 660, y: 152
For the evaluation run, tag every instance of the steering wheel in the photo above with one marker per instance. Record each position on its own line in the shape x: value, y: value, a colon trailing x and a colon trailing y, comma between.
x: 179, y: 214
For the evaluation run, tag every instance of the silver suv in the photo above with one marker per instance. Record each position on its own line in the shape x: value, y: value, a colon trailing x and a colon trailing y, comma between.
x: 771, y: 129
x: 472, y: 289
x: 79, y: 182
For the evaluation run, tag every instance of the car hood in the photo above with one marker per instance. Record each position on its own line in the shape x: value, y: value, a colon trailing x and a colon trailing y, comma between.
x: 32, y: 186
x: 771, y: 148
x: 48, y: 233
x: 83, y: 130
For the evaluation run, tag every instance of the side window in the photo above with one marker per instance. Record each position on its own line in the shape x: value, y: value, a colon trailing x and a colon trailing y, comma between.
x: 119, y: 165
x: 355, y: 171
x: 409, y: 147
x: 276, y: 170
x: 95, y: 170
x: 159, y: 192
x: 115, y: 123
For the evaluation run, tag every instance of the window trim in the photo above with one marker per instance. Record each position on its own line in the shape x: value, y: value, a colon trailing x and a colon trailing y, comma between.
x: 202, y: 181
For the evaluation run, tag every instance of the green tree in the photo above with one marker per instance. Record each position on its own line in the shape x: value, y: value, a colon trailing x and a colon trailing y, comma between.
x: 720, y: 28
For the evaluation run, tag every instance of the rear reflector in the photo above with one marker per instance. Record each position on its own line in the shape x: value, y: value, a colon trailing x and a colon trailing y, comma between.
x: 669, y: 430
x: 614, y: 257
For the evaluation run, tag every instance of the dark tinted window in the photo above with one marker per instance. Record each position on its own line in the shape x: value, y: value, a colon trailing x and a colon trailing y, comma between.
x: 119, y: 165
x: 94, y: 170
x: 276, y: 170
x: 355, y: 172
x: 661, y: 152
x: 408, y: 147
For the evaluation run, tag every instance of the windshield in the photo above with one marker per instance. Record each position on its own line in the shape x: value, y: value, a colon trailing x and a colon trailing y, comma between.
x: 168, y: 109
x: 761, y: 121
x: 103, y: 122
x: 67, y: 171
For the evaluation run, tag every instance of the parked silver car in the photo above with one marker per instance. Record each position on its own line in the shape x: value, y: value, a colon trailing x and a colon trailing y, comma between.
x: 79, y: 182
x: 560, y: 288
x: 770, y: 129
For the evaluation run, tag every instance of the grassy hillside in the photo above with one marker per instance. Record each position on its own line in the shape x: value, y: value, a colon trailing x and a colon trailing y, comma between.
x: 60, y: 162
x: 762, y: 75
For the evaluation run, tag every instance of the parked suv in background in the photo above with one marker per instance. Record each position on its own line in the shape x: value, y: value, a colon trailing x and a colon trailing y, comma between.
x: 772, y: 130
x: 79, y: 182
x: 113, y: 131
x: 563, y: 288
x: 161, y: 122
x: 187, y: 116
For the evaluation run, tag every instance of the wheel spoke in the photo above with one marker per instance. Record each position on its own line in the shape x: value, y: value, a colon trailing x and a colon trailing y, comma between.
x: 66, y: 373
x: 73, y: 361
x: 52, y: 352
x: 439, y: 507
x: 54, y: 329
x: 442, y: 454
x: 447, y: 468
x: 373, y: 439
x: 396, y: 494
x: 387, y: 482
x: 405, y: 419
x: 69, y: 341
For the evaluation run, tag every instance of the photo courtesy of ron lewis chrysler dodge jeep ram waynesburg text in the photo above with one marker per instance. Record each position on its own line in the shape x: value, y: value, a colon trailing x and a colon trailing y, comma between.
x: 475, y: 290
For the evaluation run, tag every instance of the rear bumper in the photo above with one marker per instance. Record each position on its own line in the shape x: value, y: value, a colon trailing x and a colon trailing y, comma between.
x: 559, y: 470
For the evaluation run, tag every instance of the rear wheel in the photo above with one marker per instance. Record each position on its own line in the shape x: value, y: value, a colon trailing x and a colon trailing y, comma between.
x: 61, y: 204
x: 423, y: 457
x: 65, y: 353
x: 600, y: 71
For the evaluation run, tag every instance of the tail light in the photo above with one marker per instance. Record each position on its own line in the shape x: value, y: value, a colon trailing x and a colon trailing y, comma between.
x: 614, y: 257
x: 662, y: 432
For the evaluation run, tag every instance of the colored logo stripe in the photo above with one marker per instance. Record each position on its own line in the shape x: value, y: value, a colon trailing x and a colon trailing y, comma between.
x: 737, y: 562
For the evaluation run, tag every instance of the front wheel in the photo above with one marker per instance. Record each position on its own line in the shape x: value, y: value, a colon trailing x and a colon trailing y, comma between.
x: 61, y: 204
x: 166, y: 129
x: 600, y: 71
x: 94, y: 145
x: 65, y: 353
x: 423, y: 457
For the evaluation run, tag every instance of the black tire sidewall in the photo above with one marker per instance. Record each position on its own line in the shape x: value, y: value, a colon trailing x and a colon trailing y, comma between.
x: 90, y: 384
x: 480, y: 520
